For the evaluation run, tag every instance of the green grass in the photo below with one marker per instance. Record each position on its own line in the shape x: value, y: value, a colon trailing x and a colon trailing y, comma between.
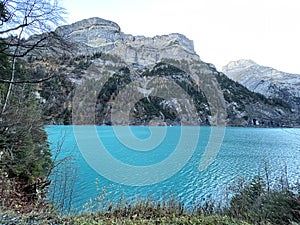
x: 183, y: 219
x: 99, y: 218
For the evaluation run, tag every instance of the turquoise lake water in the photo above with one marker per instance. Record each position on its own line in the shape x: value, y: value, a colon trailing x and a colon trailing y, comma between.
x: 152, y: 160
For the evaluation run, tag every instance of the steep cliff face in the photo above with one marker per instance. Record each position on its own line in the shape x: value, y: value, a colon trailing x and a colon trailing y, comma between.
x: 93, y: 32
x: 98, y: 35
x: 266, y: 81
x: 157, y: 80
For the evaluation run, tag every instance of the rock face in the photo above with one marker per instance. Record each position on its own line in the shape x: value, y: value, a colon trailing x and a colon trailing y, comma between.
x: 93, y: 32
x: 157, y: 80
x: 99, y: 35
x: 266, y: 81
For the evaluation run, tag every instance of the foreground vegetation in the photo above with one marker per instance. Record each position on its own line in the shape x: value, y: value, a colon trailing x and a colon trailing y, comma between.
x: 25, y: 156
x: 97, y: 218
x: 252, y: 202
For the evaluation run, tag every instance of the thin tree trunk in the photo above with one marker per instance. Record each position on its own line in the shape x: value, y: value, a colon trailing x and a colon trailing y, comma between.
x: 13, y: 72
x: 10, y: 85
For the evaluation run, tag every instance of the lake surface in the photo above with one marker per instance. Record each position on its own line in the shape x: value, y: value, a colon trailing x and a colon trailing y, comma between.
x: 243, y: 153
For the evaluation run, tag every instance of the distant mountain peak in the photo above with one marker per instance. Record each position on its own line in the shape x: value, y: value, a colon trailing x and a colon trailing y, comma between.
x: 266, y: 80
x: 239, y: 63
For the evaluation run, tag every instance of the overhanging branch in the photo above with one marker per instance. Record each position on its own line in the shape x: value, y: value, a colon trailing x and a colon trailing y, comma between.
x: 26, y: 81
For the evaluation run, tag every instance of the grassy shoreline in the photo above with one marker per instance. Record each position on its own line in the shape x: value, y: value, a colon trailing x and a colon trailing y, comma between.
x: 252, y: 202
x: 12, y: 218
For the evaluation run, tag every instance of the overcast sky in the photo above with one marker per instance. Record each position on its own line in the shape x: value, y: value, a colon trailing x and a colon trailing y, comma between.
x: 266, y: 31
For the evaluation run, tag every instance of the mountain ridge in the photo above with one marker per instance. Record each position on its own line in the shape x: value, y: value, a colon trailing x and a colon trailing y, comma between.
x: 265, y: 80
x: 96, y: 34
x: 102, y: 50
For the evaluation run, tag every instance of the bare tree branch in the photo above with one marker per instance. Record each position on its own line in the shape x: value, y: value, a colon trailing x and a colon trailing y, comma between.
x: 26, y: 81
x: 28, y: 48
x: 14, y: 28
x: 27, y: 17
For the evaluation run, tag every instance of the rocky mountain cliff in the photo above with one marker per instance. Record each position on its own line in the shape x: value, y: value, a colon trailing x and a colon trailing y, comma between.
x: 109, y: 77
x: 98, y: 35
x: 267, y: 81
